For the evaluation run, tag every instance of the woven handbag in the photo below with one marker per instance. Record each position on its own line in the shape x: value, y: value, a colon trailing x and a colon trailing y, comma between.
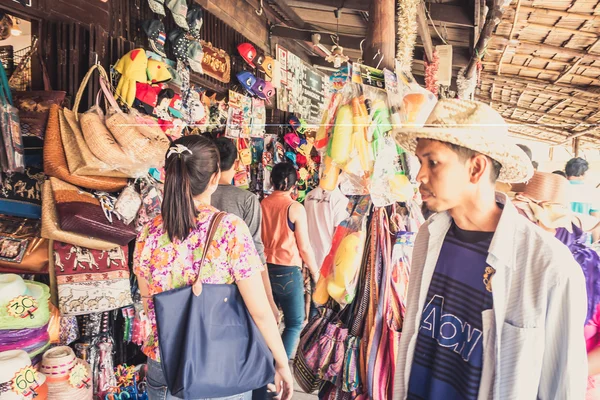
x: 21, y: 193
x: 55, y: 161
x: 140, y: 137
x: 91, y: 281
x: 80, y: 158
x: 51, y: 229
x: 81, y: 212
x: 22, y: 250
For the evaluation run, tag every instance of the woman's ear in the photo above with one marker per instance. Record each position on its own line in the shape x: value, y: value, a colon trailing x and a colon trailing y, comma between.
x: 214, y: 179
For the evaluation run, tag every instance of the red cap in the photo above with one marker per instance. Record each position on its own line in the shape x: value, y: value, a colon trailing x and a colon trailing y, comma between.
x: 248, y: 53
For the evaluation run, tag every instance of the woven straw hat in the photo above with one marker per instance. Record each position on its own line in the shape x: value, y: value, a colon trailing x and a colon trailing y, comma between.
x: 473, y: 125
x: 11, y: 287
x: 57, y: 364
x: 11, y: 362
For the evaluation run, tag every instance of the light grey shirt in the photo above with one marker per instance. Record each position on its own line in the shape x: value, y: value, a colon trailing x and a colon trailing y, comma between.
x: 533, y: 341
x: 245, y: 205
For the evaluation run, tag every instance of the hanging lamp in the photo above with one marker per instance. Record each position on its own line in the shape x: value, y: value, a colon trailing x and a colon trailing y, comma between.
x: 337, y: 56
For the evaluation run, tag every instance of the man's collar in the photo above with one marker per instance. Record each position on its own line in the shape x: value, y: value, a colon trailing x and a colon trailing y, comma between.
x: 502, y: 244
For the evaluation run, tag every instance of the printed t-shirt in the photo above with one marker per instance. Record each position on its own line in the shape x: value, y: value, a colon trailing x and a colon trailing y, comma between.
x: 166, y: 265
x: 449, y: 351
x: 585, y: 198
x: 324, y: 210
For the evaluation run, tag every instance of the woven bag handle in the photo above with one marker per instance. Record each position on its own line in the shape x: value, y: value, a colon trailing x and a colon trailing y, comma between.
x: 104, y: 84
x: 84, y: 84
x: 214, y: 224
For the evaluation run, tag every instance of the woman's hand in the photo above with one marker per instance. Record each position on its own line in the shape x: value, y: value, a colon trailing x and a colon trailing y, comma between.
x: 284, y: 382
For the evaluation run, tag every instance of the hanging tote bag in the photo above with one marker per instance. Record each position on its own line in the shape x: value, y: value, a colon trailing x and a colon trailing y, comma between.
x: 213, y: 333
x: 55, y: 160
x: 13, y: 155
x: 80, y: 158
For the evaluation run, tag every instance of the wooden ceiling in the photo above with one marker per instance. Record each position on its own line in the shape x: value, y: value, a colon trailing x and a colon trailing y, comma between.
x: 541, y: 69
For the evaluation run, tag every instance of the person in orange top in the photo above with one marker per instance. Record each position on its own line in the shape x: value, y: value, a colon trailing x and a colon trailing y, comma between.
x: 287, y: 247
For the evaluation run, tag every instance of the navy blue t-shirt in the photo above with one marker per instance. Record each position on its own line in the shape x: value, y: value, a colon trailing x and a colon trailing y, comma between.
x: 449, y: 353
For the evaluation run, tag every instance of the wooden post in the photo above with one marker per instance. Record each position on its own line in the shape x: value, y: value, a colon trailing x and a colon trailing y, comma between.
x: 381, y: 34
x: 576, y: 147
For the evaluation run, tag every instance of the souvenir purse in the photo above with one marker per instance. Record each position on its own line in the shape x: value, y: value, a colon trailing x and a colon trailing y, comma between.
x: 128, y: 204
x: 80, y: 158
x: 55, y: 161
x: 152, y: 197
x: 81, y: 212
x: 12, y: 158
x: 51, y: 228
x: 22, y: 250
x: 244, y: 152
x: 91, y: 281
x: 21, y: 193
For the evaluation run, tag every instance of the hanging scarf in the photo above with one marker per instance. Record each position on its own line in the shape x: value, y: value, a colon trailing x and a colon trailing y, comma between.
x: 589, y: 261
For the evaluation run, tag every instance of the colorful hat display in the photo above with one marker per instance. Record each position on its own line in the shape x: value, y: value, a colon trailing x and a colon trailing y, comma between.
x: 158, y: 72
x: 248, y: 53
x: 195, y: 56
x: 23, y: 304
x: 157, y: 36
x: 179, y: 8
x: 267, y: 91
x: 67, y: 376
x: 33, y: 340
x: 258, y: 87
x: 180, y: 44
x: 267, y: 66
x: 158, y: 7
x: 195, y: 20
x: 292, y: 140
x: 15, y: 364
x: 247, y: 80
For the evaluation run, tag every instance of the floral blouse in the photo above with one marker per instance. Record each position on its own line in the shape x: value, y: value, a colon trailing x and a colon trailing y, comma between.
x: 166, y: 265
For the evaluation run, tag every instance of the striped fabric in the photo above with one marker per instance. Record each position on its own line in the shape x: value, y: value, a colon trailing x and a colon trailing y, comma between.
x: 533, y: 341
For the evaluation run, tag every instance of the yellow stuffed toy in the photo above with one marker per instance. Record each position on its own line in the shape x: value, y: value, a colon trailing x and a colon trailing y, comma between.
x: 133, y: 68
x: 158, y: 72
x: 346, y: 265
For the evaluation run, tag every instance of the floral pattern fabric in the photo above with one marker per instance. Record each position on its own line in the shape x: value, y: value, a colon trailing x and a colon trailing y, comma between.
x: 167, y: 265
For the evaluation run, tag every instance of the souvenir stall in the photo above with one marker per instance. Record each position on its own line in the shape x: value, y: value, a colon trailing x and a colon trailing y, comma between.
x: 80, y: 179
x: 349, y: 350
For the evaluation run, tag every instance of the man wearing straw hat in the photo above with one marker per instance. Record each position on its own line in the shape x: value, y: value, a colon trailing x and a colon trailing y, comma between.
x: 496, y: 305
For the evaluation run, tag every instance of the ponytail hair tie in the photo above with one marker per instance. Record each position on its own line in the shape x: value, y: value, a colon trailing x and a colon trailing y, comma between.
x: 178, y: 149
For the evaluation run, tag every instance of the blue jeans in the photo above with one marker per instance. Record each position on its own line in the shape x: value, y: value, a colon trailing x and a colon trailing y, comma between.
x: 156, y: 385
x: 288, y: 292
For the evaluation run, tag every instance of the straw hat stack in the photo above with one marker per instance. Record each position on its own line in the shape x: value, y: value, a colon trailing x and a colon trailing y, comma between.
x: 14, y: 374
x: 24, y: 315
x: 67, y: 376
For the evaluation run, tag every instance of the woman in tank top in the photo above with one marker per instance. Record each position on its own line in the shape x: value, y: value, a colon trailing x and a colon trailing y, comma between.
x: 287, y: 248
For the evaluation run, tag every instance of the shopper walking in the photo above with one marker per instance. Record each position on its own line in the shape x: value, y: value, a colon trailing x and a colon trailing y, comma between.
x: 242, y: 203
x: 169, y: 250
x: 496, y: 306
x: 287, y: 247
x: 585, y: 199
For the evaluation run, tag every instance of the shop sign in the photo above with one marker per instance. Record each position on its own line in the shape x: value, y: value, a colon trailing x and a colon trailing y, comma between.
x: 216, y: 63
x: 303, y: 88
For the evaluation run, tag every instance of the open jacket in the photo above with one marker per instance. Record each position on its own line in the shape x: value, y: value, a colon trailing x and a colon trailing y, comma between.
x: 533, y: 339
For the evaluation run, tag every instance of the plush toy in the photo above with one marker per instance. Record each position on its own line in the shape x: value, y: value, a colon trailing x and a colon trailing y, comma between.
x: 133, y: 68
x: 330, y: 176
x: 158, y: 72
x: 341, y: 140
x: 345, y: 267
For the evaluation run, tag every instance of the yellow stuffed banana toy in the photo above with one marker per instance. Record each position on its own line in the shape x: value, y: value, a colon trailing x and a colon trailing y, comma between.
x: 133, y: 68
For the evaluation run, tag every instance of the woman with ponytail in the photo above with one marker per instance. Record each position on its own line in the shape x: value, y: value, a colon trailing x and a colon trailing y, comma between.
x: 169, y: 250
x: 287, y: 248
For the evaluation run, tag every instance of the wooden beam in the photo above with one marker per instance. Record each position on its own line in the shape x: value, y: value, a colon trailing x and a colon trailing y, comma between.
x: 535, y: 112
x: 529, y: 24
x: 423, y: 31
x: 460, y: 55
x: 380, y: 46
x: 450, y: 15
x: 510, y: 36
x: 534, y: 126
x: 535, y: 46
x: 285, y: 9
x: 554, y: 108
x: 350, y: 42
x: 493, y: 19
x: 568, y: 71
x: 357, y: 5
x: 549, y: 71
x: 558, y: 13
x: 541, y: 84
